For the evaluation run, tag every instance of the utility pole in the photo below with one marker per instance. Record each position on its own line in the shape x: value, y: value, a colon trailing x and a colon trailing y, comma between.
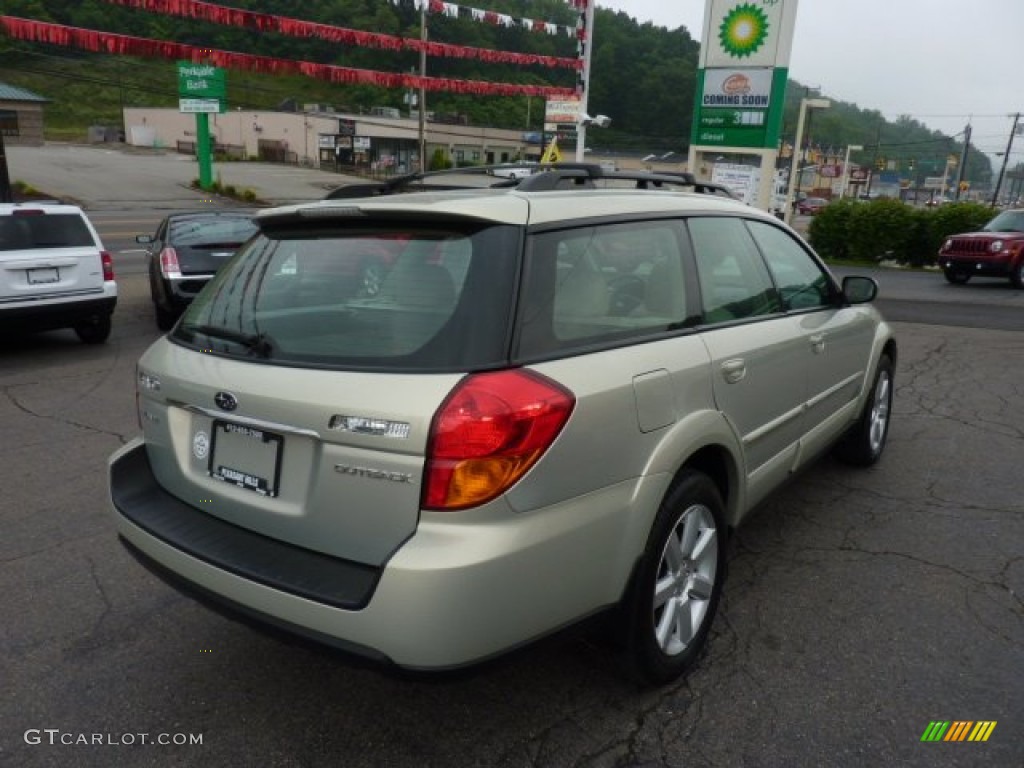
x: 874, y: 159
x: 963, y: 161
x: 423, y: 89
x: 1006, y: 159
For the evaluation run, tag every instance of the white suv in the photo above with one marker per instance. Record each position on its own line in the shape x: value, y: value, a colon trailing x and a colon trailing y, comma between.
x: 559, y: 403
x: 54, y: 272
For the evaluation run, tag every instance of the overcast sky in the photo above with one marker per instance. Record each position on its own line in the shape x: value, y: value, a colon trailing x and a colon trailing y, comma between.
x: 943, y: 62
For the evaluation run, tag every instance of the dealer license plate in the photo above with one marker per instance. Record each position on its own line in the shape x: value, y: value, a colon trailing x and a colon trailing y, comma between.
x: 247, y: 457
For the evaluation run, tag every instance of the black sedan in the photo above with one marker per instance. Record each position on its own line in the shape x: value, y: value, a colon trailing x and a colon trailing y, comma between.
x: 186, y: 251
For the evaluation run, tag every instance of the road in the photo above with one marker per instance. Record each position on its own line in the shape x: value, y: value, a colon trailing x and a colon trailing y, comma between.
x: 860, y: 605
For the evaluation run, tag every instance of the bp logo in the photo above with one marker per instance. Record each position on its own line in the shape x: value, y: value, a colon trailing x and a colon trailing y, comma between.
x: 743, y: 30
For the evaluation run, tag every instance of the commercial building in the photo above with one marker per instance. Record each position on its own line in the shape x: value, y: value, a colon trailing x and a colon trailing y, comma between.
x: 21, y: 116
x: 380, y: 141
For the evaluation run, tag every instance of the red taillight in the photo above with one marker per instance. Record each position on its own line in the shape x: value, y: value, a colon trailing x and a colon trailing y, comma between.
x: 491, y: 429
x: 108, y: 266
x: 169, y: 266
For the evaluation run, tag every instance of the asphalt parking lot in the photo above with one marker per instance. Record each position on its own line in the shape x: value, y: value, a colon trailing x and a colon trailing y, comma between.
x: 860, y: 607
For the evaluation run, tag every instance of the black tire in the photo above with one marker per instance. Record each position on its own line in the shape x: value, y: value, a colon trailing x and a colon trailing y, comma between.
x: 1017, y: 277
x: 956, y: 277
x: 95, y: 331
x: 685, y: 553
x: 165, y: 320
x: 863, y: 445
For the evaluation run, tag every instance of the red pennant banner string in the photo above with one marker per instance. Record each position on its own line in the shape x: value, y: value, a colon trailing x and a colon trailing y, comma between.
x: 266, y: 22
x: 105, y: 42
x: 456, y: 11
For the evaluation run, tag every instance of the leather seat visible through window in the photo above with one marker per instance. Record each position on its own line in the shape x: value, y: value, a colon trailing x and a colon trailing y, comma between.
x: 582, y: 293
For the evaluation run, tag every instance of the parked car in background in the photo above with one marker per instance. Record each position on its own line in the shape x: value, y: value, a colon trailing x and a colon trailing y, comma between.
x: 54, y: 272
x: 997, y: 250
x: 186, y: 251
x: 558, y: 404
x: 515, y: 170
x: 811, y: 205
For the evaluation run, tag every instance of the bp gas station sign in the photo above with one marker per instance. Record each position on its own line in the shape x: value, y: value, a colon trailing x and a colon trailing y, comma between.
x: 741, y: 82
x: 736, y: 107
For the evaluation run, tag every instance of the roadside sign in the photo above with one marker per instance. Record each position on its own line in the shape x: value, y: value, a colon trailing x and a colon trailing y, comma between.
x: 741, y: 179
x: 199, y: 105
x: 202, y: 88
x: 202, y: 91
x: 200, y: 81
x: 561, y: 112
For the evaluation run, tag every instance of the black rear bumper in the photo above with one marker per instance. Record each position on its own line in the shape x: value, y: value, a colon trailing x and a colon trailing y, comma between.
x: 49, y: 317
x: 138, y: 497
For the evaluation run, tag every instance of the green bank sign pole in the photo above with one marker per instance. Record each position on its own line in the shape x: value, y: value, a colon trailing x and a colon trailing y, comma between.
x: 202, y: 89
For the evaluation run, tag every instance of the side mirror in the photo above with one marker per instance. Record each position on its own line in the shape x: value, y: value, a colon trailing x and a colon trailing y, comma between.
x: 859, y: 290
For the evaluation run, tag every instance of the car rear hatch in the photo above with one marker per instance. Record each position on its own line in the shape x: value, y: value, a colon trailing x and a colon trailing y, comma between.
x: 47, y: 252
x: 285, y: 405
x: 203, y: 244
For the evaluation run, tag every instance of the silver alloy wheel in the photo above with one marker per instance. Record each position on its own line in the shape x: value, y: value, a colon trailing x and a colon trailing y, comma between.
x: 880, y: 412
x: 686, y: 579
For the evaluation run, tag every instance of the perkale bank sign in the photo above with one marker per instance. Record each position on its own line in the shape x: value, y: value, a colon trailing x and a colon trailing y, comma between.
x: 744, y: 65
x: 201, y: 88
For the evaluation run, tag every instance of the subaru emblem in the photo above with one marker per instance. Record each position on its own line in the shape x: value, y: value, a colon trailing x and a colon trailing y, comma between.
x: 225, y: 401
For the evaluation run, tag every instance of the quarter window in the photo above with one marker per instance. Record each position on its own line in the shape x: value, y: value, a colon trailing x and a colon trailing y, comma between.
x: 605, y: 283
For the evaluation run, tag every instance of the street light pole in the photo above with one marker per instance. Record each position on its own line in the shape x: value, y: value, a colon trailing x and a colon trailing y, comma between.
x: 423, y: 90
x: 805, y: 104
x: 846, y: 168
x: 588, y: 46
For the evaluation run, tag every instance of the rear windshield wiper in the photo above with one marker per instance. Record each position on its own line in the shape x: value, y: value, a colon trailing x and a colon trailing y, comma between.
x: 258, y: 343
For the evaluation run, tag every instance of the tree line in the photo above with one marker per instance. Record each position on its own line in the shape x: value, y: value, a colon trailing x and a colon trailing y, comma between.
x: 643, y: 75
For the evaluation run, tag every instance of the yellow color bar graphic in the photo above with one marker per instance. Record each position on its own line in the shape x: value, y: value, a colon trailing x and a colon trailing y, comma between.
x: 982, y: 730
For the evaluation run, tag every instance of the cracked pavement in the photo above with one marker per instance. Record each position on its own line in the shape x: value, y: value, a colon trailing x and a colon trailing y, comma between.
x: 859, y: 606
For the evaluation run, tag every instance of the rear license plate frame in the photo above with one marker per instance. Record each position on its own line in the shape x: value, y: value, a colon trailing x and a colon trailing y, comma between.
x: 246, y: 457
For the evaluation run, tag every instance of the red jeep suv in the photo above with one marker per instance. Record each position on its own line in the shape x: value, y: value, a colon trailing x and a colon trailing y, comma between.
x: 997, y: 250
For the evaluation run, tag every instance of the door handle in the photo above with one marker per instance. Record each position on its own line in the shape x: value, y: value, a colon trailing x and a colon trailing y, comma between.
x: 818, y: 343
x: 734, y: 370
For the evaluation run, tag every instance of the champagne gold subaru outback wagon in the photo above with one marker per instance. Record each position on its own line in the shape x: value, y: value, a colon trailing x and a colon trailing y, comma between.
x: 566, y: 392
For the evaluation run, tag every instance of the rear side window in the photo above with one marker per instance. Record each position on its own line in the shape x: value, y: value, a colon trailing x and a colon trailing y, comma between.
x: 432, y: 298
x: 48, y: 230
x: 602, y: 284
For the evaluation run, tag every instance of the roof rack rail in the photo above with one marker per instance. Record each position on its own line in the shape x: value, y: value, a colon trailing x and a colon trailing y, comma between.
x: 544, y: 178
